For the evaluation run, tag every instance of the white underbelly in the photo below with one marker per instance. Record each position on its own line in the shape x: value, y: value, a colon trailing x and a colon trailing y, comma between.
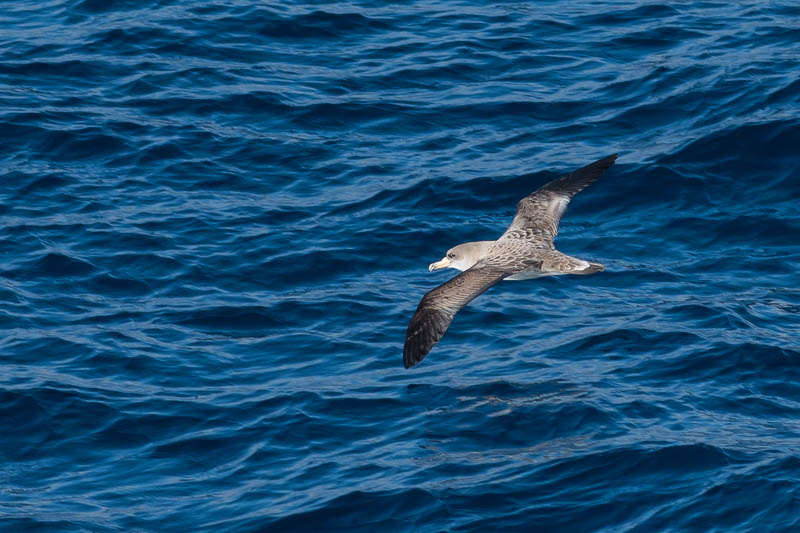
x: 531, y: 274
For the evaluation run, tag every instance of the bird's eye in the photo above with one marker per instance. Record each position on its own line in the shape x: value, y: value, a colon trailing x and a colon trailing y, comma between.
x: 451, y: 255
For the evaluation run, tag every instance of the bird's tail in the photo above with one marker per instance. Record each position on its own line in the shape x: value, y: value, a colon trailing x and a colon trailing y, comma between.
x: 591, y: 269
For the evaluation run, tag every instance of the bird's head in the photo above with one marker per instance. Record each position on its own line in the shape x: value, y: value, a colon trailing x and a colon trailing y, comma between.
x: 460, y: 257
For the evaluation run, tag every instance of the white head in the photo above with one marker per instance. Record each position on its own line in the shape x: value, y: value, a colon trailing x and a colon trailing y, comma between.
x: 462, y: 256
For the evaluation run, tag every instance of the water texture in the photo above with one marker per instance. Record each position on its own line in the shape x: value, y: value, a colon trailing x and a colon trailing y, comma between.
x: 216, y: 220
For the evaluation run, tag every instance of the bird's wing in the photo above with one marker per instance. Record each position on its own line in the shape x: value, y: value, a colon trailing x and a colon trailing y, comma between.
x: 438, y: 307
x: 538, y: 214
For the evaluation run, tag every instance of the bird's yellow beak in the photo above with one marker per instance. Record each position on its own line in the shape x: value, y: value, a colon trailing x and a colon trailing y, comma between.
x: 444, y: 263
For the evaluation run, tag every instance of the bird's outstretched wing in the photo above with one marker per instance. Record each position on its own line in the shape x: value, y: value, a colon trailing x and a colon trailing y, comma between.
x: 538, y: 214
x: 438, y: 307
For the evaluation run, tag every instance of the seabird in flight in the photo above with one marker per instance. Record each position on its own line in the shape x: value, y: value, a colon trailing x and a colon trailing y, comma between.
x: 524, y: 251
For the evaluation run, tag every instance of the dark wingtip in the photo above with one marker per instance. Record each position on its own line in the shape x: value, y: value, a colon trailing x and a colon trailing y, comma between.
x: 408, y: 353
x: 425, y: 329
x: 412, y: 354
x: 407, y: 360
x: 606, y: 161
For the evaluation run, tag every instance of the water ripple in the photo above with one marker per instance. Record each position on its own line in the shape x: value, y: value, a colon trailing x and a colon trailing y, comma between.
x: 217, y: 219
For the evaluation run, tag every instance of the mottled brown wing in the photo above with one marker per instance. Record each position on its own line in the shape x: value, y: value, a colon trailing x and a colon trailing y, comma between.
x: 538, y: 214
x: 439, y: 306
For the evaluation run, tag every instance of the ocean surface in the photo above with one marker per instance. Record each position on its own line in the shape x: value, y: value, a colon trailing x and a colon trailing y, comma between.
x: 216, y: 220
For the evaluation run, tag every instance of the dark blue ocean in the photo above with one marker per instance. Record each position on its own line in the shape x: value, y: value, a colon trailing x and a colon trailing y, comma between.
x: 216, y: 220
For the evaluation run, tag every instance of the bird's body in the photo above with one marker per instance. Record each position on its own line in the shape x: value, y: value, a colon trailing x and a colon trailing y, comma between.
x: 524, y: 251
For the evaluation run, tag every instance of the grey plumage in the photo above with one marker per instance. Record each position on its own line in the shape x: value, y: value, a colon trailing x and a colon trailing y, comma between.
x: 524, y: 251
